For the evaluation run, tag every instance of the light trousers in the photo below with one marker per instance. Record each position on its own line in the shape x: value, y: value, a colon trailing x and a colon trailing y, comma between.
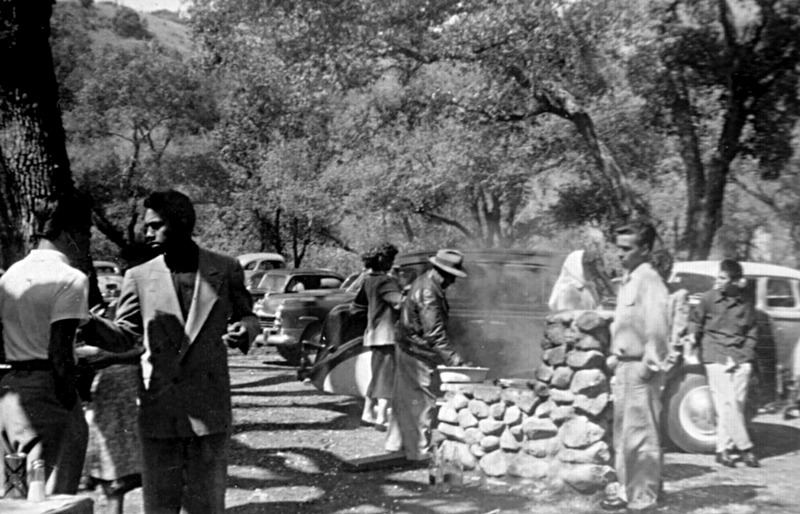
x: 638, y: 457
x: 729, y: 394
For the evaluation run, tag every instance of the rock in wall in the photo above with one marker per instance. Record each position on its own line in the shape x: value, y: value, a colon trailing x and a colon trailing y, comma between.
x: 555, y: 428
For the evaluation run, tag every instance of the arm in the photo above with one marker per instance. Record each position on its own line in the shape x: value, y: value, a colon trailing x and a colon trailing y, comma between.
x: 98, y: 358
x: 244, y: 324
x: 751, y: 333
x: 697, y: 317
x: 433, y: 328
x: 60, y: 353
x: 125, y: 332
x: 390, y: 293
x: 655, y: 302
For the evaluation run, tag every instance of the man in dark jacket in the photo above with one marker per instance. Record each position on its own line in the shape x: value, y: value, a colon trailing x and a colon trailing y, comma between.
x: 724, y: 324
x: 422, y: 344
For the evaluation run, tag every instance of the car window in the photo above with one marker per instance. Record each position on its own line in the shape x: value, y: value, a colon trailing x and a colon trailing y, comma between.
x: 694, y: 283
x: 272, y: 282
x: 406, y: 275
x: 511, y: 285
x: 250, y: 266
x: 330, y: 283
x: 267, y: 265
x: 779, y: 293
x: 105, y: 270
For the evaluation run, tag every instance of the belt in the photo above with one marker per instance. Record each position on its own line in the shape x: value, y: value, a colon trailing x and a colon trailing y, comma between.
x: 31, y: 365
x: 628, y: 358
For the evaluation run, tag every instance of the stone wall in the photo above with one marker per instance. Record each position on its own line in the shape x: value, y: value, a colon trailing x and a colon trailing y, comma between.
x: 554, y: 429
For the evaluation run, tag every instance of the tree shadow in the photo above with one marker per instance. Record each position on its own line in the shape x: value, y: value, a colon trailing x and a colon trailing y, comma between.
x: 269, y: 381
x: 712, y: 496
x: 284, y: 394
x: 341, y: 490
x: 676, y: 472
x: 772, y: 439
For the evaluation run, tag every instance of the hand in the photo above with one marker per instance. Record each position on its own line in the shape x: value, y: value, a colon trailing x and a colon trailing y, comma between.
x: 236, y: 337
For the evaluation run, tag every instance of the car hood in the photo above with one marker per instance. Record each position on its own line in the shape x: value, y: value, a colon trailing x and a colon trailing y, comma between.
x: 274, y: 300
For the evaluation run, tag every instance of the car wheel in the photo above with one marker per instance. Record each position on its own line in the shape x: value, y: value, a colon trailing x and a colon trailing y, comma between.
x: 309, y: 344
x: 690, y: 417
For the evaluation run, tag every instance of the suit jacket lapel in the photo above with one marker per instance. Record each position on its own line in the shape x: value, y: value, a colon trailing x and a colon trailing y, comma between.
x: 205, y: 295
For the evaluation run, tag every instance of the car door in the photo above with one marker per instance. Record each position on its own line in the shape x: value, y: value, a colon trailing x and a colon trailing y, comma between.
x: 497, y: 315
x: 781, y: 301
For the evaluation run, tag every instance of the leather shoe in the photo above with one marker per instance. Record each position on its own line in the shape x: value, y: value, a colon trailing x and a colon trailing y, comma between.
x: 750, y: 460
x: 615, y: 503
x: 725, y: 459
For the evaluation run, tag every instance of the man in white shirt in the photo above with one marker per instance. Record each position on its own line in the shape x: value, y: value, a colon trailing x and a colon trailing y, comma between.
x: 639, y: 337
x: 43, y: 300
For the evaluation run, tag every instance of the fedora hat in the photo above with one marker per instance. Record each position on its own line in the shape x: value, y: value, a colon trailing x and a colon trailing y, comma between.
x: 450, y: 261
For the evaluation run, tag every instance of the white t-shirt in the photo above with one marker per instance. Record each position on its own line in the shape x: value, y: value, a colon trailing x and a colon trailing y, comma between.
x: 38, y: 290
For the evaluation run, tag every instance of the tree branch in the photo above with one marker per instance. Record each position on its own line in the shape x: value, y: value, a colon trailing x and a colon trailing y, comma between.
x: 444, y: 221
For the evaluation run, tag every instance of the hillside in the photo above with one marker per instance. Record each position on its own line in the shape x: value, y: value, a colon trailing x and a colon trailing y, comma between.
x: 165, y: 27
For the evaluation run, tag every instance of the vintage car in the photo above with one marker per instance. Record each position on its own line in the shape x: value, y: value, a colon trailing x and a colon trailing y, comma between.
x: 496, y: 318
x: 294, y: 303
x: 109, y: 280
x: 775, y: 290
x: 260, y: 262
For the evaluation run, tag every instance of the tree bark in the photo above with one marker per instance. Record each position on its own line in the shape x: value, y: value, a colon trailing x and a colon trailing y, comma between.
x: 33, y: 155
x: 689, y: 149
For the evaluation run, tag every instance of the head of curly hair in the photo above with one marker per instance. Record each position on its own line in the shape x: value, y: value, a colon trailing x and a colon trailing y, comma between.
x: 380, y: 258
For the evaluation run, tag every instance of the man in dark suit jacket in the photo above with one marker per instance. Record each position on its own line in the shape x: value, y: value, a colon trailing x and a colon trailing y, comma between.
x: 183, y: 306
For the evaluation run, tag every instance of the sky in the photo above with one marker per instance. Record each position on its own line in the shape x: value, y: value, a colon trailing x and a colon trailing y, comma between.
x: 154, y: 5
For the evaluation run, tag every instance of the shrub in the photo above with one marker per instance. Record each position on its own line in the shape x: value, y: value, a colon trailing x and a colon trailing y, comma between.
x: 127, y: 23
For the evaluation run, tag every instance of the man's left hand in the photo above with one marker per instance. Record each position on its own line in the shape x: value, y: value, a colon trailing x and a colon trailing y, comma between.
x: 237, y: 337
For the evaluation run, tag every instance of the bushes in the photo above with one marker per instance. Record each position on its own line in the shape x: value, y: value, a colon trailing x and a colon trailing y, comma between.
x: 127, y: 23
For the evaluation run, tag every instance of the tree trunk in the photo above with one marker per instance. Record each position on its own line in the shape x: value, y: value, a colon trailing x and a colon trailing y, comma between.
x: 33, y: 154
x: 709, y: 211
x: 689, y: 149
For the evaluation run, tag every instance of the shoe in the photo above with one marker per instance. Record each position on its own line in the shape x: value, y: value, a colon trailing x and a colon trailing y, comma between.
x: 750, y: 460
x: 381, y: 427
x: 615, y: 503
x: 724, y: 458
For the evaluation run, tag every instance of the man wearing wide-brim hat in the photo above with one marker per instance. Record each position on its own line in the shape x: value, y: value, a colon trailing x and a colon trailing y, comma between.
x: 422, y: 344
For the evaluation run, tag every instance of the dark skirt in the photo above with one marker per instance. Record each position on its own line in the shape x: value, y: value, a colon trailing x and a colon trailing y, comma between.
x: 382, y: 383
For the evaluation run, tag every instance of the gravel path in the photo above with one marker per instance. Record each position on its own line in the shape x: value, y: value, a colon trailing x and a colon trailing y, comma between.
x: 290, y: 440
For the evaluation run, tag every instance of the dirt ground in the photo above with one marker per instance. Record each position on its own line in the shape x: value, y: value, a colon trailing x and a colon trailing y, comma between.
x: 290, y: 441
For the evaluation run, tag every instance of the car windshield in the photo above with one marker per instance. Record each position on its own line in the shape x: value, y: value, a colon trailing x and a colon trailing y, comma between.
x: 271, y: 282
x: 494, y: 284
x: 694, y: 283
x: 105, y: 270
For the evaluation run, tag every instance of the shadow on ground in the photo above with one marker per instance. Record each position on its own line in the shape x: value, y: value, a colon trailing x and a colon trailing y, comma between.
x: 773, y: 439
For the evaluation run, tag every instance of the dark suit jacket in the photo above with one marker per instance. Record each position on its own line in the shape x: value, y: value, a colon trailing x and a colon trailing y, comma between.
x: 185, y: 389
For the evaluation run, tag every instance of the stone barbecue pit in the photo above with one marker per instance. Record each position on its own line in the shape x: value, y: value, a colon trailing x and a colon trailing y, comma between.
x: 553, y: 431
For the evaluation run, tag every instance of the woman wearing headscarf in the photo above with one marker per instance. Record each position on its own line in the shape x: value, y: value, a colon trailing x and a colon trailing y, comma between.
x: 577, y: 285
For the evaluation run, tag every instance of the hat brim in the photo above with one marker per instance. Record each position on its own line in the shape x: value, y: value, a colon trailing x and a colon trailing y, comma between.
x: 453, y: 271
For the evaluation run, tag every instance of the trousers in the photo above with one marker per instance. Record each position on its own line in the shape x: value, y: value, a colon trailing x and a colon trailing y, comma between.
x: 413, y: 405
x: 34, y: 421
x: 186, y: 473
x: 638, y: 457
x: 729, y: 393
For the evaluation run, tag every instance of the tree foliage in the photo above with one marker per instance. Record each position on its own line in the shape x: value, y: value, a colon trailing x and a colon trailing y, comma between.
x: 723, y: 78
